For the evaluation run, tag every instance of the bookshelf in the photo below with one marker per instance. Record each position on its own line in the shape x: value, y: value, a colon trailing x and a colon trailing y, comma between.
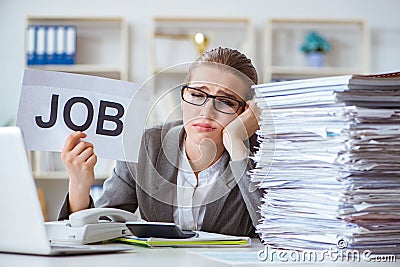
x: 174, y: 47
x: 96, y: 37
x: 283, y: 59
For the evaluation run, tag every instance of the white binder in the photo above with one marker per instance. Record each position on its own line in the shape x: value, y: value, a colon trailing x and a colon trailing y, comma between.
x: 40, y: 45
x: 50, y: 44
x: 70, y: 48
x: 31, y: 44
x: 60, y: 44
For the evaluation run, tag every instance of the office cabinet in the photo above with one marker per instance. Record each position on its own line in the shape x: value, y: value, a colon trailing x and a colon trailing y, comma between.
x: 102, y: 45
x: 102, y: 49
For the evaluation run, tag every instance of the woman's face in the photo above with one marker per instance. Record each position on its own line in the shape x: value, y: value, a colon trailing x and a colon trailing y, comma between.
x: 205, y: 122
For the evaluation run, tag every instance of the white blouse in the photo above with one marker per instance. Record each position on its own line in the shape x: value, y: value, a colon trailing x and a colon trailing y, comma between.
x: 192, y: 193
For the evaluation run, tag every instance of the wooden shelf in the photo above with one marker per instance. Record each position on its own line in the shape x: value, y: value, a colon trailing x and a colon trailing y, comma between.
x: 96, y: 37
x: 350, y: 40
x: 102, y: 50
x: 313, y: 71
x: 172, y: 70
x: 314, y: 21
x: 50, y: 19
x: 79, y: 68
x: 198, y: 20
x: 108, y: 71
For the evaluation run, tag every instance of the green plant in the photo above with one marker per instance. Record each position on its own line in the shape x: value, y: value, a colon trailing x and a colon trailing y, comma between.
x: 314, y: 42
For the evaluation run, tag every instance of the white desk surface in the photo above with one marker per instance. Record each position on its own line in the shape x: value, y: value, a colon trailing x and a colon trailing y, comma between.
x: 148, y: 257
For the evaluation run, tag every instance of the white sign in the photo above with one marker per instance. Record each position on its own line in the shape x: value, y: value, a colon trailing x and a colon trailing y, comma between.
x: 53, y: 105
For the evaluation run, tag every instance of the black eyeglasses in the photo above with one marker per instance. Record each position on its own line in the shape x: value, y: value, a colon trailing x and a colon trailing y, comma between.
x: 224, y: 104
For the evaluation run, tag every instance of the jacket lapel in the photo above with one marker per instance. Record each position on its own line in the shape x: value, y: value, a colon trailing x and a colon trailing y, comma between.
x: 218, y: 195
x: 165, y: 174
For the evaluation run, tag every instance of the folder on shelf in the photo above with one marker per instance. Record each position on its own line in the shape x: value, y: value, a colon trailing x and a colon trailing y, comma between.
x: 40, y: 45
x: 31, y: 45
x: 204, y: 239
x: 70, y: 44
x: 50, y: 44
x: 60, y: 45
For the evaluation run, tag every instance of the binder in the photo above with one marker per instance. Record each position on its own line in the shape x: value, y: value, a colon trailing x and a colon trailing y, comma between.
x: 70, y: 48
x: 31, y: 45
x: 50, y: 44
x: 60, y: 45
x: 40, y: 45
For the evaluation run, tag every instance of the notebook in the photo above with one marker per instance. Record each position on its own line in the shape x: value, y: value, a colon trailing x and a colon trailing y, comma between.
x: 202, y: 239
x: 22, y: 227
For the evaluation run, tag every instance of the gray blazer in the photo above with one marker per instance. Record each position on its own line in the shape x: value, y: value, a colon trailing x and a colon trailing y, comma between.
x: 150, y: 185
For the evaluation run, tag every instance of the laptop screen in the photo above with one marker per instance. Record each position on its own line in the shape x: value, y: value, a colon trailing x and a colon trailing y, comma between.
x: 22, y: 224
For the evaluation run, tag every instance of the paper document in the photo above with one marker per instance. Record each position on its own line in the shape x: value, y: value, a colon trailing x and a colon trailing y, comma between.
x: 111, y: 112
x: 329, y: 163
x: 204, y: 239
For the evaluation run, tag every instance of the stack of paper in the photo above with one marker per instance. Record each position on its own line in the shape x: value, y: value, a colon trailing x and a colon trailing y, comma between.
x: 329, y: 162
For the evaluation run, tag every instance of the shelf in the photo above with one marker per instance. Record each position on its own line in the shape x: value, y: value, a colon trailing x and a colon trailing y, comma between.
x: 79, y: 68
x: 50, y: 175
x: 110, y: 71
x: 172, y: 34
x: 312, y: 70
x: 74, y: 19
x: 283, y: 59
x: 173, y: 70
x: 96, y: 37
x: 314, y: 21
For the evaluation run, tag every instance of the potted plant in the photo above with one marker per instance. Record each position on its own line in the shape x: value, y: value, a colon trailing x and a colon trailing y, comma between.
x: 315, y: 47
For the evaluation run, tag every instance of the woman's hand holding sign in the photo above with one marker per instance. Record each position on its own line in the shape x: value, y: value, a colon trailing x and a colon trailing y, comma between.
x: 79, y: 159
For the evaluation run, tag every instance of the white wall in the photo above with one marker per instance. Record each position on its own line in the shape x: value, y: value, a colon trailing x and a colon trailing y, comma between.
x: 383, y: 16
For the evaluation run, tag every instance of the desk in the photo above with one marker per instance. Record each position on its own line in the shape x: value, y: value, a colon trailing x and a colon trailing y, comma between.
x: 149, y: 257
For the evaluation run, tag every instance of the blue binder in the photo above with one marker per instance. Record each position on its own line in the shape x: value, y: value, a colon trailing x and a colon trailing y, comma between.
x: 51, y: 44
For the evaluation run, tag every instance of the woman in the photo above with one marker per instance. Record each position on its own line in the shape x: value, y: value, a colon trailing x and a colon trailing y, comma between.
x: 191, y: 172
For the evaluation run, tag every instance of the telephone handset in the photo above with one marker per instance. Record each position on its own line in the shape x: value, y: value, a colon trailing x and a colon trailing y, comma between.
x: 87, y: 226
x: 92, y: 216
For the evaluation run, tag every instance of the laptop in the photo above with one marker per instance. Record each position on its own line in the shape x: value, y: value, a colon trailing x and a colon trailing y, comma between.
x: 22, y: 228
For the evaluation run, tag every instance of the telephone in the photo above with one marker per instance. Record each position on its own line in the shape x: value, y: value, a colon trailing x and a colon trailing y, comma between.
x: 87, y: 226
